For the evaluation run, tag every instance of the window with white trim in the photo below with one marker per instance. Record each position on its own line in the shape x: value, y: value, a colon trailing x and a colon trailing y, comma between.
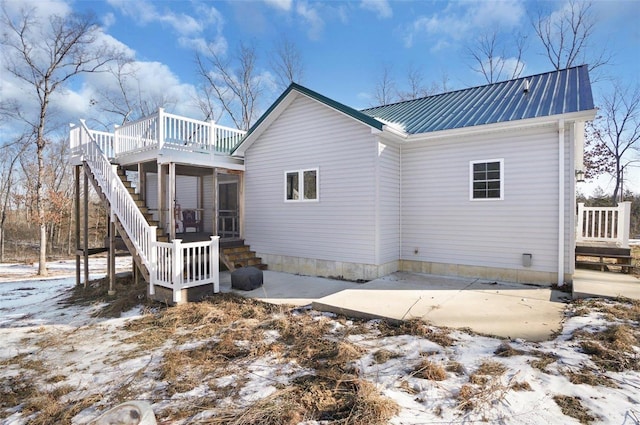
x: 301, y: 185
x: 486, y: 179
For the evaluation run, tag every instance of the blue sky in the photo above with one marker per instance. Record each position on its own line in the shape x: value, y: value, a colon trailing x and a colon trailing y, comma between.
x: 344, y: 44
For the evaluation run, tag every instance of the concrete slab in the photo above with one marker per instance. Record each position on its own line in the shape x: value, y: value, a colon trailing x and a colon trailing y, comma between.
x: 591, y: 283
x: 290, y: 289
x: 500, y: 309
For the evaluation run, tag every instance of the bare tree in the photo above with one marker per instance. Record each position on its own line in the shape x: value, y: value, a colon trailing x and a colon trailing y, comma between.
x: 385, y: 88
x: 10, y: 154
x: 566, y: 36
x: 45, y: 56
x: 491, y: 58
x: 287, y: 63
x: 234, y: 81
x: 615, y: 135
x: 127, y: 99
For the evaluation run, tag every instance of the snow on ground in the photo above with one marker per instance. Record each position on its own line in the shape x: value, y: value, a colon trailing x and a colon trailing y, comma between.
x: 97, y: 357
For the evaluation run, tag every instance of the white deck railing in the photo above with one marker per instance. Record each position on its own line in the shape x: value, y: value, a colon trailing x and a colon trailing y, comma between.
x: 604, y: 224
x: 173, y: 265
x: 173, y: 132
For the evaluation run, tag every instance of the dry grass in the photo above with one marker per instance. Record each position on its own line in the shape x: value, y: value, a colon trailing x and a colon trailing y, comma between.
x: 485, y: 387
x: 543, y: 360
x: 589, y: 377
x: 571, y: 406
x: 416, y: 327
x: 506, y: 350
x: 612, y: 348
x: 383, y: 356
x: 129, y: 294
x: 426, y: 369
x: 488, y: 370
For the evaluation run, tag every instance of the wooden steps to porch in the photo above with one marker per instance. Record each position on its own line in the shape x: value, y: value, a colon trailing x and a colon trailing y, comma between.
x: 604, y: 258
x: 235, y: 254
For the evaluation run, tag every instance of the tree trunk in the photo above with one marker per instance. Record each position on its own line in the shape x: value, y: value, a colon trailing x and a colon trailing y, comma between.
x: 40, y: 144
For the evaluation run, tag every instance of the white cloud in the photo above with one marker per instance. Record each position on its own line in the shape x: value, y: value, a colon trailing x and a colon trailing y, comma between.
x: 280, y: 4
x: 312, y: 17
x: 461, y: 19
x: 189, y: 29
x: 108, y: 20
x: 42, y: 8
x: 380, y: 7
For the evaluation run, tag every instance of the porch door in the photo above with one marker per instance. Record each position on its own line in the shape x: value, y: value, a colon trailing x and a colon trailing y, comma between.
x: 228, y: 206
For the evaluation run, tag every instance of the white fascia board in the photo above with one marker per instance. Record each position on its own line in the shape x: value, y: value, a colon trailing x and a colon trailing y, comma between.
x: 266, y: 123
x: 503, y: 126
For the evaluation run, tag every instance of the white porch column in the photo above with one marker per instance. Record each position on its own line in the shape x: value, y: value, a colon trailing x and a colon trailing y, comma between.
x: 172, y: 200
x: 580, y: 227
x: 561, y: 212
x: 624, y: 223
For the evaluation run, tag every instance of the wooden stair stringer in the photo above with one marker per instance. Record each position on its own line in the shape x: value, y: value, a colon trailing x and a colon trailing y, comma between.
x: 119, y: 227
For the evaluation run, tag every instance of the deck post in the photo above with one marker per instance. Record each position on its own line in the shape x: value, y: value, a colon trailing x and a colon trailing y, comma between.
x: 172, y: 200
x: 162, y: 202
x: 86, y: 227
x: 160, y: 128
x: 214, y: 266
x: 177, y: 267
x: 111, y: 267
x: 77, y: 220
x: 216, y: 207
x: 580, y: 227
x: 624, y: 223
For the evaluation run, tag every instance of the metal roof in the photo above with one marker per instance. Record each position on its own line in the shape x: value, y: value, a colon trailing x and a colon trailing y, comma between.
x: 551, y: 93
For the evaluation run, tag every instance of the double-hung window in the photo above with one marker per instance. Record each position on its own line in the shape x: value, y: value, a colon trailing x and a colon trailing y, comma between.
x: 301, y: 185
x: 486, y: 179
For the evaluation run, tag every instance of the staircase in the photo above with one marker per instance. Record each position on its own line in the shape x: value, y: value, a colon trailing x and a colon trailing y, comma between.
x: 236, y: 254
x: 173, y: 266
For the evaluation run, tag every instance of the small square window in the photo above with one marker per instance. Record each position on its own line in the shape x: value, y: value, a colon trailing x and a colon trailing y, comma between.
x: 301, y: 185
x: 486, y: 179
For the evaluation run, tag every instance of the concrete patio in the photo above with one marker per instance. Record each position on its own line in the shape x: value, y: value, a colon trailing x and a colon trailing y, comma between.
x: 500, y: 309
x: 591, y: 283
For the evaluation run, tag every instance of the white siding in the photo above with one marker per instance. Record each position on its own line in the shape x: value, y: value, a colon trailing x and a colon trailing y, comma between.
x: 341, y: 225
x: 444, y: 226
x: 388, y: 203
x: 207, y: 199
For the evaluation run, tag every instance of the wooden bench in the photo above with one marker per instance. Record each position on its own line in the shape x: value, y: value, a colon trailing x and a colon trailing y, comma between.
x: 621, y: 256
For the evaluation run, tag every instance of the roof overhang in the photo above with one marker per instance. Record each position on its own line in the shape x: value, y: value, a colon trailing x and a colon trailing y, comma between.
x: 503, y: 126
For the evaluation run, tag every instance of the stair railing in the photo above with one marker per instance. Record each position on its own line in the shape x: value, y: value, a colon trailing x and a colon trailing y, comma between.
x: 141, y: 234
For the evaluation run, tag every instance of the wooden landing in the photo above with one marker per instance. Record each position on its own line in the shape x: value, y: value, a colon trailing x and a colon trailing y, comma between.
x: 604, y: 258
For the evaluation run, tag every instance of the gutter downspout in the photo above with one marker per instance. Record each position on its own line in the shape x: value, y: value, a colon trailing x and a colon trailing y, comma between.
x: 561, y: 202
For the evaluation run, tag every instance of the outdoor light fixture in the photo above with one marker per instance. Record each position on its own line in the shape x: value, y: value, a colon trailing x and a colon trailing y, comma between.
x: 579, y: 175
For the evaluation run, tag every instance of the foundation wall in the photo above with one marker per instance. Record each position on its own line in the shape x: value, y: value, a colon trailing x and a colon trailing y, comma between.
x: 324, y: 268
x: 485, y: 273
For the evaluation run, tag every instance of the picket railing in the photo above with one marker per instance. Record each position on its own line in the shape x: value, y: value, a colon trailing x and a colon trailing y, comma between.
x: 185, y: 265
x: 173, y: 265
x: 173, y: 132
x: 604, y: 224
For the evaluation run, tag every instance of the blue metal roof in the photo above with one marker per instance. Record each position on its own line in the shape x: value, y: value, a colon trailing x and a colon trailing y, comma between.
x: 551, y: 93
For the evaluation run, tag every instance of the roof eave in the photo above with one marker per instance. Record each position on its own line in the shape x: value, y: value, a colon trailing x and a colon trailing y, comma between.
x: 587, y: 115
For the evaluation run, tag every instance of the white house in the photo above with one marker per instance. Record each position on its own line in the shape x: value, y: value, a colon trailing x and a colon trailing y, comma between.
x: 477, y: 182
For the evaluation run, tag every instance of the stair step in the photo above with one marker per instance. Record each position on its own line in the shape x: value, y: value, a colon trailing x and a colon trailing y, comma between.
x: 236, y: 249
x: 241, y: 255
